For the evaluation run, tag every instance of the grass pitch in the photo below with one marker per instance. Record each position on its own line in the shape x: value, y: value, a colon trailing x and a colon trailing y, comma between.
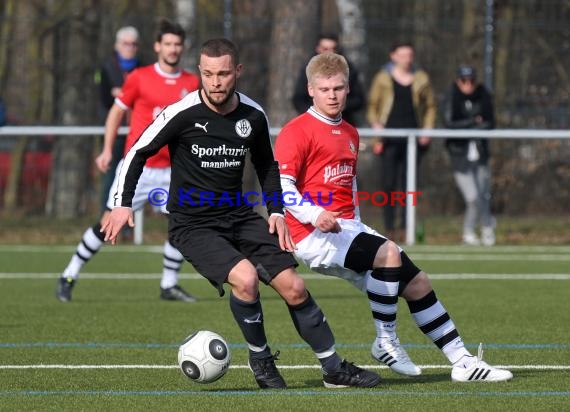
x: 114, y: 346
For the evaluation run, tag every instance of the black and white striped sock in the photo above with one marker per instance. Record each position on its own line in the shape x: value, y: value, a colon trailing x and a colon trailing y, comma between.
x: 434, y: 321
x: 91, y: 242
x: 382, y: 289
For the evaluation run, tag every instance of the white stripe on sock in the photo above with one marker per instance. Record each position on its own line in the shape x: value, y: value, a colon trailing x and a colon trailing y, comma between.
x: 75, y: 264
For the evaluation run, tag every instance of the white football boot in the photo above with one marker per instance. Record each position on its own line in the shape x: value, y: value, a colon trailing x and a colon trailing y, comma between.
x: 479, y: 371
x: 471, y: 239
x: 488, y: 236
x: 391, y: 352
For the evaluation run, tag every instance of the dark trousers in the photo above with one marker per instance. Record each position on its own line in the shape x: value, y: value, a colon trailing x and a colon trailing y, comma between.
x: 394, y: 164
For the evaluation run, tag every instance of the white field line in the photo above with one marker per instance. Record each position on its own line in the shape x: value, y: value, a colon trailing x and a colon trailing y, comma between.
x: 71, y: 249
x: 490, y: 257
x: 497, y: 249
x: 310, y: 276
x: 61, y: 366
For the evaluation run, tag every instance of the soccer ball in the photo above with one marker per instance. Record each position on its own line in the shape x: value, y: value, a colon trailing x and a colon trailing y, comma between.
x: 204, y: 357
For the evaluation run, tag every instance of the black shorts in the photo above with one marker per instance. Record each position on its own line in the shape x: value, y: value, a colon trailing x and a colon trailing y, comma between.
x: 214, y: 246
x: 362, y: 251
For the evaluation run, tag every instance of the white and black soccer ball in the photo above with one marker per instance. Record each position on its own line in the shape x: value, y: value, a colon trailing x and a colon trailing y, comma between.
x: 204, y: 356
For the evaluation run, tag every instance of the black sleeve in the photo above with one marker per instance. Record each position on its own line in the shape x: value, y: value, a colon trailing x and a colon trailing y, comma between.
x: 159, y: 133
x: 356, y: 98
x: 450, y: 119
x: 301, y: 99
x: 105, y: 87
x: 267, y: 170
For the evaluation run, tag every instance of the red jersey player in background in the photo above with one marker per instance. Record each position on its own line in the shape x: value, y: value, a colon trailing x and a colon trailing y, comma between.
x: 317, y: 154
x: 146, y: 92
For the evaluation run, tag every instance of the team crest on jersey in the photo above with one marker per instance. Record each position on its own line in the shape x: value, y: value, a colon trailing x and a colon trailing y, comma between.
x: 183, y: 92
x: 352, y: 147
x: 243, y: 128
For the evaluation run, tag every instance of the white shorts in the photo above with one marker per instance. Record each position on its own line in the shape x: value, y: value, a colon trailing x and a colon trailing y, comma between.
x: 152, y: 180
x: 325, y: 253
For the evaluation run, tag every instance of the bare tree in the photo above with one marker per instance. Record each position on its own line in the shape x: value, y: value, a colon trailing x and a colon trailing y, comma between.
x: 22, y: 78
x: 502, y: 48
x: 351, y: 17
x: 186, y: 16
x: 78, y: 29
x: 471, y: 38
x: 295, y: 25
x: 251, y: 29
x: 73, y: 155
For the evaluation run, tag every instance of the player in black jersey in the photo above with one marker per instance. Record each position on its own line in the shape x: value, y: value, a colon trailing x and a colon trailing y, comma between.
x: 209, y: 133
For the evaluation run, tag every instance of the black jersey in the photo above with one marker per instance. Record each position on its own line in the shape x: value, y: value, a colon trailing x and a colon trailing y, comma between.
x: 208, y: 152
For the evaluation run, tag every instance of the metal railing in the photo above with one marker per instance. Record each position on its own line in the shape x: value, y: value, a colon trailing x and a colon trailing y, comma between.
x: 365, y: 133
x: 413, y: 134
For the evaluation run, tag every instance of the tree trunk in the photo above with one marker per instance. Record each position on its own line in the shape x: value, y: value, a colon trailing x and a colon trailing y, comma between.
x: 14, y: 176
x: 186, y: 17
x: 11, y: 193
x: 471, y: 38
x: 72, y: 162
x: 251, y: 29
x: 502, y: 47
x: 351, y: 16
x: 295, y: 25
x: 7, y: 11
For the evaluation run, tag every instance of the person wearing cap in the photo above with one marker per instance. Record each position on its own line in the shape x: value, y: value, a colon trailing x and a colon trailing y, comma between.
x: 468, y: 105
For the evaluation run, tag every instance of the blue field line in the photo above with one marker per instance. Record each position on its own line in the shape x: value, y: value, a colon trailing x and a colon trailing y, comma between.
x: 272, y: 393
x: 442, y: 249
x: 125, y: 345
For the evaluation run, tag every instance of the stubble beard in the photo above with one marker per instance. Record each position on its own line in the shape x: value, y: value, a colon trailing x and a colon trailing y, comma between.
x: 221, y: 103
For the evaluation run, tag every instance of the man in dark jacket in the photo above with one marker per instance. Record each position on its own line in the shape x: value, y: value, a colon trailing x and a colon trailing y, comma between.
x: 111, y: 77
x: 469, y: 106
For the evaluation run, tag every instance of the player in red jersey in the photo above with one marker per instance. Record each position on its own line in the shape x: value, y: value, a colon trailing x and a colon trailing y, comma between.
x: 146, y: 92
x: 317, y: 154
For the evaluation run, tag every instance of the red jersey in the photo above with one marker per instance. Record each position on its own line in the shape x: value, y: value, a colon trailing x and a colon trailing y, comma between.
x: 320, y: 154
x: 148, y: 90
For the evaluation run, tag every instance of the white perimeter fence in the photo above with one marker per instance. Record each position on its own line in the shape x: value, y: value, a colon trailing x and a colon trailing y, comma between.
x: 365, y: 133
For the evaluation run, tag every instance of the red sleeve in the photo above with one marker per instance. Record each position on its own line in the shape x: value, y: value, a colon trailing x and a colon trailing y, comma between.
x: 291, y: 150
x: 130, y: 90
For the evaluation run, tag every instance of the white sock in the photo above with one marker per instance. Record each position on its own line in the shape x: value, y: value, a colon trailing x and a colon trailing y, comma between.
x: 382, y: 289
x: 171, y: 263
x: 86, y: 249
x: 456, y: 351
x: 465, y: 361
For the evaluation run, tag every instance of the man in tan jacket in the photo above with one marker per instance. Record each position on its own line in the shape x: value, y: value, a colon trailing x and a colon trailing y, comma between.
x: 401, y: 97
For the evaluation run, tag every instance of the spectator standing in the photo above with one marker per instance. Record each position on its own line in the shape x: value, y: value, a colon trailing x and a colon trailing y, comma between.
x: 400, y: 97
x: 111, y: 77
x: 469, y: 105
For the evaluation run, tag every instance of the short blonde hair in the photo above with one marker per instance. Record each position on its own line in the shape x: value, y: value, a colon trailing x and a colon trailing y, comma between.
x: 326, y: 65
